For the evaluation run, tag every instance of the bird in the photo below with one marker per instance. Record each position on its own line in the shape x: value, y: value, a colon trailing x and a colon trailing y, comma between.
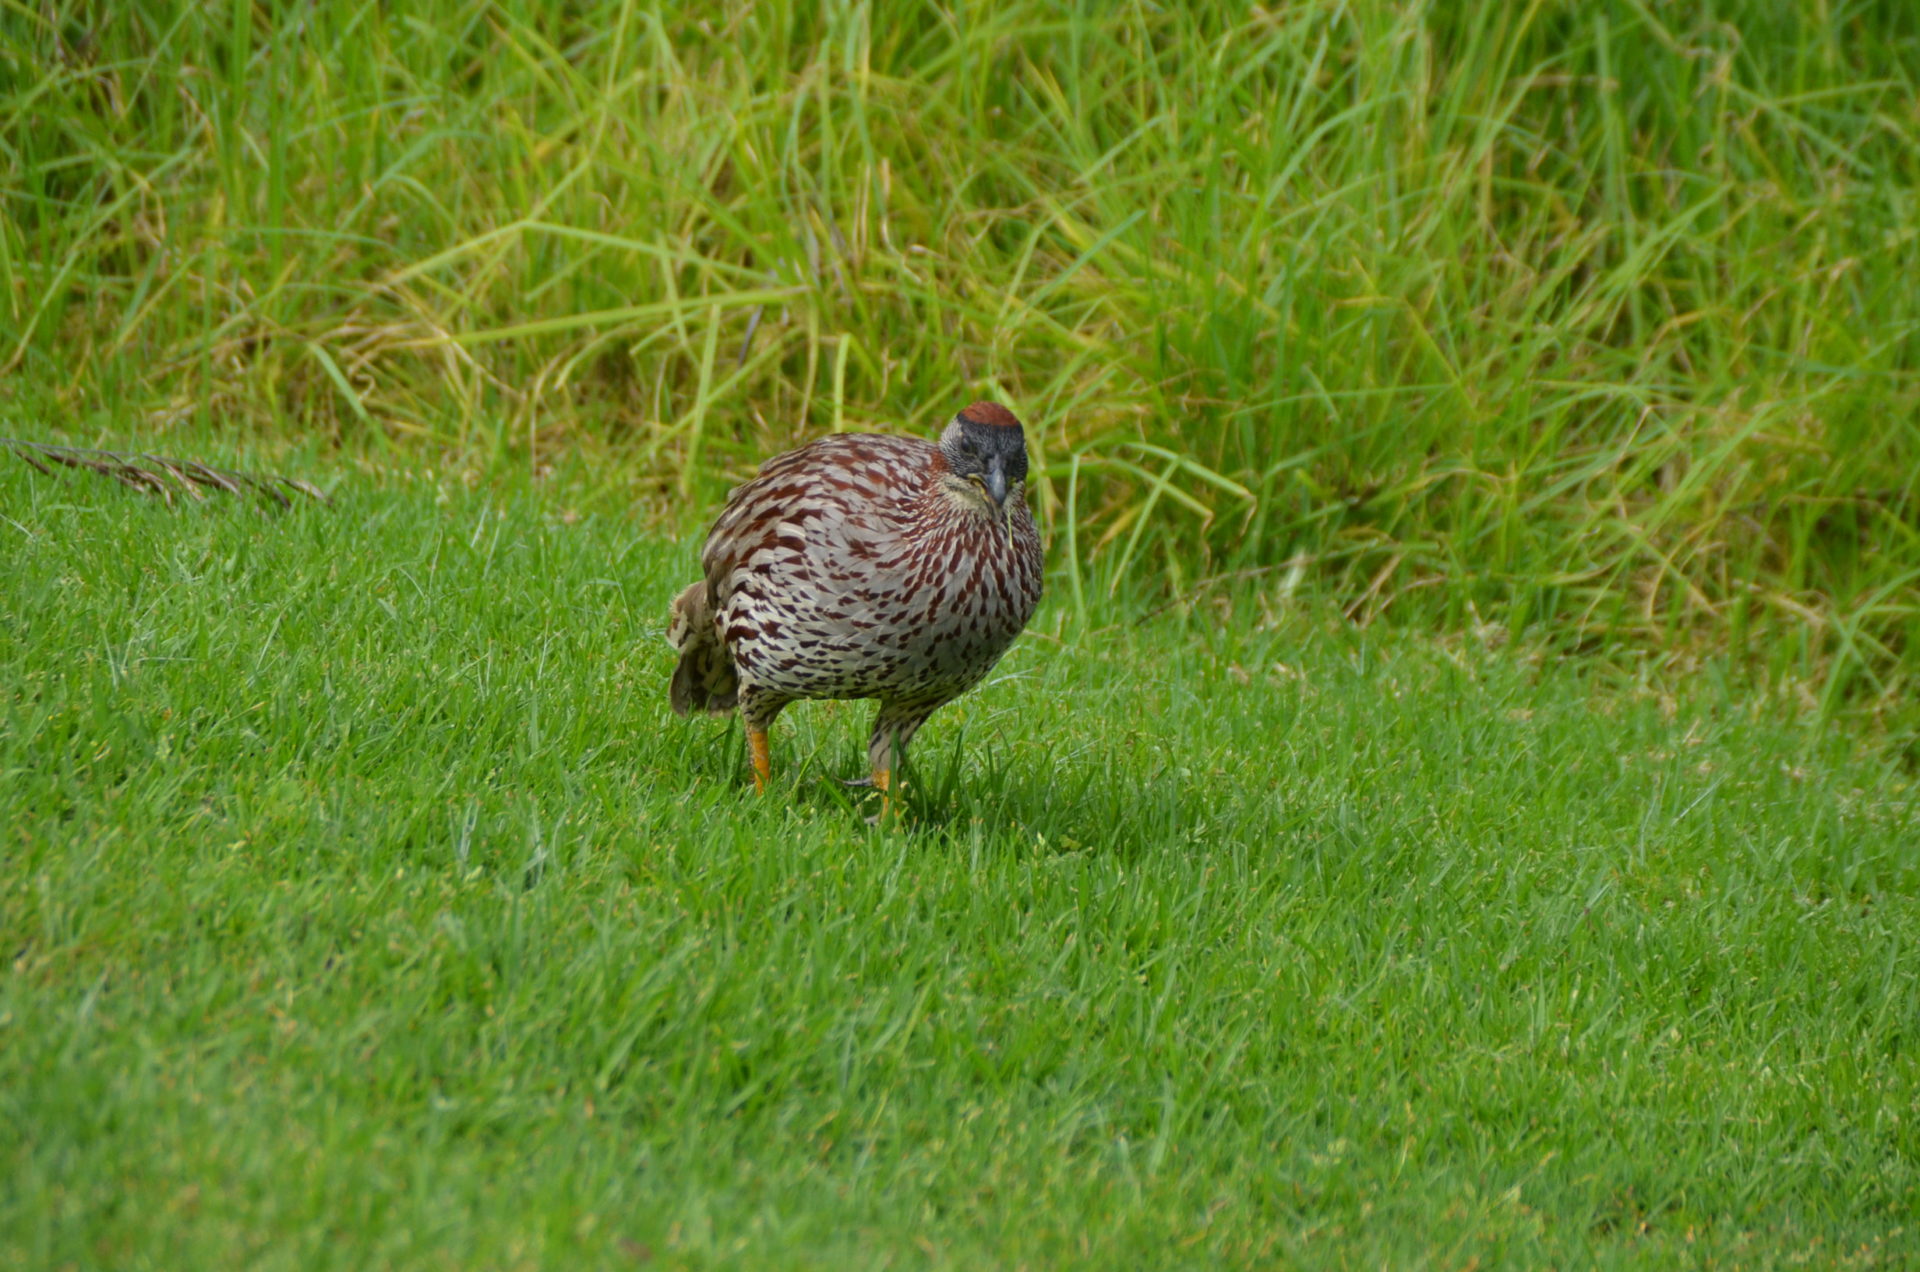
x: 862, y: 565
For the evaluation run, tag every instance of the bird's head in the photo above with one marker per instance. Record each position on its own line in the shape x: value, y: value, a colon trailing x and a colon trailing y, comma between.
x: 986, y: 454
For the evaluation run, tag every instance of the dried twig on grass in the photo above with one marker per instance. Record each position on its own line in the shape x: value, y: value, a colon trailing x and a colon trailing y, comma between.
x: 158, y: 475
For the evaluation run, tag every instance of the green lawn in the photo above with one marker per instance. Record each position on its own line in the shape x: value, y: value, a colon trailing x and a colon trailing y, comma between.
x: 365, y: 905
x: 1455, y: 809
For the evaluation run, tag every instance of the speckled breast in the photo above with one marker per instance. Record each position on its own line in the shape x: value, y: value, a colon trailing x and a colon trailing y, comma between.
x: 887, y: 603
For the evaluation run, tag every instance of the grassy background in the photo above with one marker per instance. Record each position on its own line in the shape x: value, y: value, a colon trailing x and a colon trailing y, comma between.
x: 364, y: 905
x: 1377, y: 852
x: 1594, y: 318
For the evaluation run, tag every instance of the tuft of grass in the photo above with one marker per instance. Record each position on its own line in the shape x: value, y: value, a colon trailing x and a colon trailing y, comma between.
x: 1593, y: 320
x: 364, y: 903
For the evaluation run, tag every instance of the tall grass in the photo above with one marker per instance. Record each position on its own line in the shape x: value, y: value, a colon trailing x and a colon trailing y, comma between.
x: 1595, y: 317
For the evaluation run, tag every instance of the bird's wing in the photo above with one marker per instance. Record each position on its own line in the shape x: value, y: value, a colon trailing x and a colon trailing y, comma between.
x: 832, y: 489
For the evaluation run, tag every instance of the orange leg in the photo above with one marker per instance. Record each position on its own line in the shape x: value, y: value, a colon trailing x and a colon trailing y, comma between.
x: 882, y: 782
x: 762, y: 762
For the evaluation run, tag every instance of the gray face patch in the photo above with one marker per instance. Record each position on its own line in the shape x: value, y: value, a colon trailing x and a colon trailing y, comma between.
x: 972, y: 447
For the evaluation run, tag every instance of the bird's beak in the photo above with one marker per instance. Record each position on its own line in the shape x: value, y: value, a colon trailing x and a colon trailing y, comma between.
x: 997, y: 484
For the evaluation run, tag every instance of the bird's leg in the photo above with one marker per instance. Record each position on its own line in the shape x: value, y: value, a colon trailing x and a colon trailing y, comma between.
x: 758, y: 710
x: 762, y: 761
x: 893, y: 726
x: 881, y: 751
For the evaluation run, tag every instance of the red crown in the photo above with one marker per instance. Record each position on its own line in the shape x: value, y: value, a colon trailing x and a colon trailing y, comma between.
x: 990, y: 413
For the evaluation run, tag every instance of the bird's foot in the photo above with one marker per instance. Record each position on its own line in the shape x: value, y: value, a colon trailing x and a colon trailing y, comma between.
x: 881, y: 780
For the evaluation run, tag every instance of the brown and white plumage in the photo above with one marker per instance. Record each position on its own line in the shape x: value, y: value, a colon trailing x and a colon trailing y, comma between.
x: 863, y: 566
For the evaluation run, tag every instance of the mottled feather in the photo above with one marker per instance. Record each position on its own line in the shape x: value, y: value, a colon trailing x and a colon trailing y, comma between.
x: 864, y: 566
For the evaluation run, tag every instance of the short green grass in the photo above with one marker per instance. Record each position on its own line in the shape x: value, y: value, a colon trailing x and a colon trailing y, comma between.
x: 364, y: 905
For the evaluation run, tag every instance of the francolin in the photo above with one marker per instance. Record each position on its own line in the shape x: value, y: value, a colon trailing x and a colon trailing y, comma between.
x: 863, y: 566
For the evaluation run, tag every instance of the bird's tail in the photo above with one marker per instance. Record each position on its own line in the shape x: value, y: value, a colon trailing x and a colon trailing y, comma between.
x: 704, y: 679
